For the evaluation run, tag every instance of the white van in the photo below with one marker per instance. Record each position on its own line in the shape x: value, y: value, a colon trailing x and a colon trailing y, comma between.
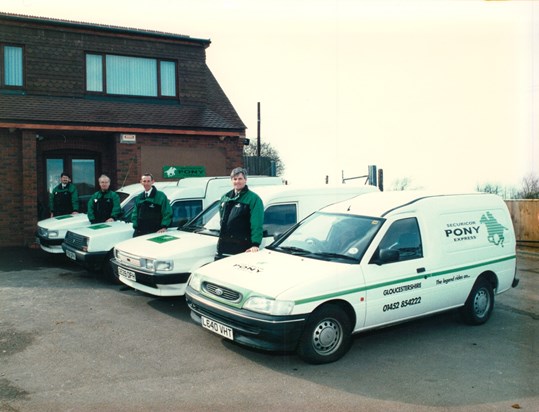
x: 51, y: 232
x: 92, y: 245
x: 361, y: 264
x: 160, y: 264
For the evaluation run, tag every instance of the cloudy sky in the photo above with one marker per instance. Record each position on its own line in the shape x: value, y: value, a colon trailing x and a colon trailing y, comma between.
x: 442, y: 93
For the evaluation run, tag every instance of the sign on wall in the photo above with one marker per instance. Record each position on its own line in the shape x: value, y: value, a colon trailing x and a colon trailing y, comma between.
x: 177, y: 172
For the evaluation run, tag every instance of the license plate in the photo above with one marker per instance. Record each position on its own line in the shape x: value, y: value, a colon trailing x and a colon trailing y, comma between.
x: 218, y: 328
x: 128, y: 274
x: 71, y: 255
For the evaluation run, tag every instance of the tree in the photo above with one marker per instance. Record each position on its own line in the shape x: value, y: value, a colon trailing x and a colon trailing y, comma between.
x: 401, y: 184
x: 530, y: 187
x: 489, y: 188
x: 266, y: 150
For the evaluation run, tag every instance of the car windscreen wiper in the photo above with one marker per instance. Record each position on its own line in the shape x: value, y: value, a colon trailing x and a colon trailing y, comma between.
x: 293, y: 250
x: 206, y: 230
x: 331, y: 255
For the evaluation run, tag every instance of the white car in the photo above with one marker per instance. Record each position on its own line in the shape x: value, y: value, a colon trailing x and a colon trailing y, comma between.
x: 160, y: 264
x: 375, y: 260
x: 51, y: 232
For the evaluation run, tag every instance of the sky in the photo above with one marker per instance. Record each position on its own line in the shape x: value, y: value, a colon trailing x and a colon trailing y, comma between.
x: 441, y: 93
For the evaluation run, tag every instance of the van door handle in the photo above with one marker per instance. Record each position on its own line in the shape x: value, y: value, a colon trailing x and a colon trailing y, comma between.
x: 420, y: 270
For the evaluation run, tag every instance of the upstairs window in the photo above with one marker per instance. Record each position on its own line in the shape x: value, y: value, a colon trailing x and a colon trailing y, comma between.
x: 12, y: 66
x: 130, y: 76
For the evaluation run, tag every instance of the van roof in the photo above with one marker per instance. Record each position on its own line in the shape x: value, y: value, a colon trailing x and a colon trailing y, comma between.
x: 381, y: 204
x: 189, y: 182
x: 268, y: 192
x: 137, y: 187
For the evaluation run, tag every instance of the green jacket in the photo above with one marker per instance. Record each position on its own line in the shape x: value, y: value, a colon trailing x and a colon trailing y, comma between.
x: 152, y: 213
x: 63, y: 201
x: 104, y: 205
x: 242, y: 220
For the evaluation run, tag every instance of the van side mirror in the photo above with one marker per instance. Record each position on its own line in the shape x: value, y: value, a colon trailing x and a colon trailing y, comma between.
x: 277, y: 236
x: 387, y: 256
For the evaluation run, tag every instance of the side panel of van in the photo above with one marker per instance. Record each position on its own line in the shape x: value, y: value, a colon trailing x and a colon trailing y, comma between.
x: 440, y: 260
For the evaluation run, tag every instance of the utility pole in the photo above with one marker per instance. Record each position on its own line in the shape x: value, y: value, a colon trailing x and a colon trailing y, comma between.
x: 258, y: 131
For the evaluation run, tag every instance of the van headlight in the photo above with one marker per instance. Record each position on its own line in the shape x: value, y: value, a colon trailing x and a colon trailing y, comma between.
x: 52, y: 233
x: 195, y: 281
x: 158, y: 265
x: 269, y: 306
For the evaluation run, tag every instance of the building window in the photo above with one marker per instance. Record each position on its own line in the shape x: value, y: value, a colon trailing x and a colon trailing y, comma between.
x: 130, y: 76
x: 12, y: 66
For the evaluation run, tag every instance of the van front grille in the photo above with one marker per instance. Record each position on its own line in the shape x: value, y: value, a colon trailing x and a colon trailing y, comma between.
x: 221, y: 292
x: 76, y: 241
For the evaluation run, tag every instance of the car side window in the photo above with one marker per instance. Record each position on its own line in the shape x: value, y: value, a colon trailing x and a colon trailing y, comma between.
x: 279, y: 218
x: 403, y: 237
x: 185, y: 210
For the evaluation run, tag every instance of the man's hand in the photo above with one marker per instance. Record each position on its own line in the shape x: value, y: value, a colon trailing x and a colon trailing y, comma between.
x: 253, y: 249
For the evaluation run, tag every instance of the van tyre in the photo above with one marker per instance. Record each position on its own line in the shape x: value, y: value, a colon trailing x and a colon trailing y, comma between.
x: 326, y: 337
x: 479, y: 304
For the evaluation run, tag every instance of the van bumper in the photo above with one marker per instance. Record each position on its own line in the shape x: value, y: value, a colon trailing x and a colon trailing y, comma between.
x: 172, y: 284
x: 49, y: 245
x: 271, y: 333
x: 90, y: 260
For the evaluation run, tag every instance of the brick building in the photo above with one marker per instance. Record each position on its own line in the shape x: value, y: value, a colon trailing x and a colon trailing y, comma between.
x: 92, y: 99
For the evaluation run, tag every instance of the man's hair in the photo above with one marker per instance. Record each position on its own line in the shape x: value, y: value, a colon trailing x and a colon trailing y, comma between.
x: 65, y: 174
x: 238, y: 171
x: 103, y: 176
x: 147, y: 175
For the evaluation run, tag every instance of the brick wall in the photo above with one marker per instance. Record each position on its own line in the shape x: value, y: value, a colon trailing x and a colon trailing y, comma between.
x: 12, y: 209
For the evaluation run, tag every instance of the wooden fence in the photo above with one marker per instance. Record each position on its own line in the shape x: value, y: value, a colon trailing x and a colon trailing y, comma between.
x: 525, y: 217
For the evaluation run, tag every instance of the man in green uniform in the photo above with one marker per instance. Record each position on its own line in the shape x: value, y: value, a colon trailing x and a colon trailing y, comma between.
x: 152, y: 211
x: 64, y: 198
x: 104, y: 205
x: 242, y: 218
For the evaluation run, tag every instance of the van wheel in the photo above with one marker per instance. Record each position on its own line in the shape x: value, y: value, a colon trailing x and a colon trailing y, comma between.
x: 479, y: 304
x: 326, y: 337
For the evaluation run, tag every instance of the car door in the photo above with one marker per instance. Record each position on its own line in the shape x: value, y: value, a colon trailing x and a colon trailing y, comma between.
x: 394, y: 274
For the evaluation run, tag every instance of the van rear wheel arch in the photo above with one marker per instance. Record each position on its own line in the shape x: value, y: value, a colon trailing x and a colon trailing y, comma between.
x: 480, y: 302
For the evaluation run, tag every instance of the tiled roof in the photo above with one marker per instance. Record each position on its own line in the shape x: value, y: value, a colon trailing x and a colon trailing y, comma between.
x: 112, y: 112
x: 101, y: 27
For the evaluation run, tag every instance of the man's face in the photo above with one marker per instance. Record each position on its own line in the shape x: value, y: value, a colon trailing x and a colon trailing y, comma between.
x: 146, y: 182
x: 239, y: 181
x: 65, y: 180
x: 104, y: 184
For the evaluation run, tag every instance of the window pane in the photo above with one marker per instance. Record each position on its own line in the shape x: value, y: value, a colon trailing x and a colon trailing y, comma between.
x: 278, y: 218
x: 131, y: 76
x: 184, y: 211
x: 84, y: 176
x: 12, y: 66
x: 94, y: 73
x: 168, y: 79
x: 55, y: 167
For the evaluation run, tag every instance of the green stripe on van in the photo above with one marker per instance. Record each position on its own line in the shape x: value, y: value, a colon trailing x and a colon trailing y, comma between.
x: 394, y: 282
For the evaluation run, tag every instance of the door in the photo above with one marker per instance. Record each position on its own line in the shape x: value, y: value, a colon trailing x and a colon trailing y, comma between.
x: 396, y: 286
x: 81, y: 168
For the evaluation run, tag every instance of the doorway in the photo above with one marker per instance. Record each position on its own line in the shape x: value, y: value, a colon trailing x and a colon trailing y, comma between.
x: 82, y: 169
